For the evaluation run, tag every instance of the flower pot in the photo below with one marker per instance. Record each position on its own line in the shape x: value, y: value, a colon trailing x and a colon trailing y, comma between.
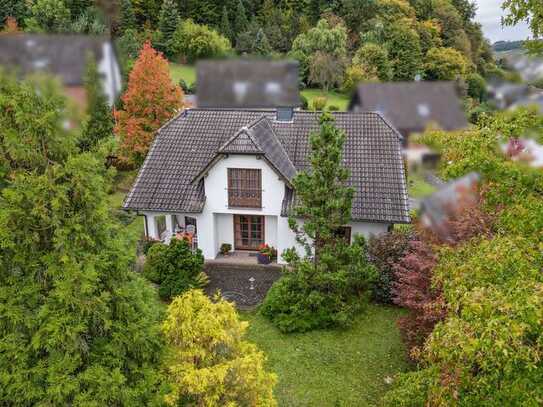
x: 263, y: 258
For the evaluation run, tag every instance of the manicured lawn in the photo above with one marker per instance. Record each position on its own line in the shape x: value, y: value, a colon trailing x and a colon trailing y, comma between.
x: 185, y: 72
x: 338, y: 99
x: 418, y: 187
x: 333, y: 367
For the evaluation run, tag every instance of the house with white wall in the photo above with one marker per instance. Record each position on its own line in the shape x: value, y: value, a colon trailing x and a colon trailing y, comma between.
x: 227, y: 175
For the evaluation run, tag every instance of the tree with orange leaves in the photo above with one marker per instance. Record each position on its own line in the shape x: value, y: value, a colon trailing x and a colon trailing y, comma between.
x: 11, y: 26
x: 150, y: 100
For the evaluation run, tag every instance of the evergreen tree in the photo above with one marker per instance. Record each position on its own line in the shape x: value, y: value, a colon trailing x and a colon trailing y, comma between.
x: 167, y: 24
x: 261, y: 45
x: 226, y: 27
x: 78, y: 7
x: 51, y: 16
x: 76, y: 326
x: 211, y: 364
x: 241, y: 22
x: 99, y: 124
x: 324, y: 288
x: 17, y: 9
x: 327, y: 179
x: 128, y: 18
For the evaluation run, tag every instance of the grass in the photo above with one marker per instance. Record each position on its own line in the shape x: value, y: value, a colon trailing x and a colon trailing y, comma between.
x: 341, y: 100
x: 188, y: 74
x: 333, y: 367
x: 185, y: 72
x: 418, y: 187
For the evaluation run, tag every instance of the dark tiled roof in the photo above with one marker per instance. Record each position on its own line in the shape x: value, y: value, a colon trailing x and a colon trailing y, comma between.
x: 243, y: 142
x: 60, y: 55
x: 412, y: 106
x: 247, y: 83
x: 187, y: 144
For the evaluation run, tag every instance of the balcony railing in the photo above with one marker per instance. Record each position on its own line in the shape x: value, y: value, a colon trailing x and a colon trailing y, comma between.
x: 244, y: 198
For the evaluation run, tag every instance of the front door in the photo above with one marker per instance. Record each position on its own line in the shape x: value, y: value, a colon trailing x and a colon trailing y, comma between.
x: 248, y: 232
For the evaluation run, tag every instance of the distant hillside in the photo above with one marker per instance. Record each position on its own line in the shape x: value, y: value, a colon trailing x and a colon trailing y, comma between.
x: 502, y: 46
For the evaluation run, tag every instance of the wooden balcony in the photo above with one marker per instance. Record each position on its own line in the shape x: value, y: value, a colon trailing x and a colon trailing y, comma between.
x: 245, y: 198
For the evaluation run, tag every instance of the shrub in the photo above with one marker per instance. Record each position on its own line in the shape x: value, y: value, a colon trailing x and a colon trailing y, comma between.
x: 320, y: 295
x: 356, y: 74
x: 304, y: 102
x: 319, y: 103
x: 225, y: 248
x: 175, y: 268
x: 209, y: 363
x: 413, y: 290
x: 385, y: 251
x: 195, y: 41
x: 147, y: 243
x: 333, y: 108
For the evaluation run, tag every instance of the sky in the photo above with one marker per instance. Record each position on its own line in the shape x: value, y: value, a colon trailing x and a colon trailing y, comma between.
x: 489, y: 14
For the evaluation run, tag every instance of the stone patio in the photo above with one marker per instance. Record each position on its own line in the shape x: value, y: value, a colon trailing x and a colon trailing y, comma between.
x: 243, y: 283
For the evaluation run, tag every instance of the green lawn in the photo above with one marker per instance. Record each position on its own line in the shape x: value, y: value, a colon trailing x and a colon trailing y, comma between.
x: 418, y: 187
x: 333, y: 367
x: 338, y: 99
x: 185, y: 72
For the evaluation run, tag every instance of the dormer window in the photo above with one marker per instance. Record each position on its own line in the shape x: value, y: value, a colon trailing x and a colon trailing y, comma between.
x: 244, y: 188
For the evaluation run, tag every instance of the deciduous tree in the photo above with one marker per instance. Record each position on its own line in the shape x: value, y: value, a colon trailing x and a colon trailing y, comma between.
x: 150, y: 100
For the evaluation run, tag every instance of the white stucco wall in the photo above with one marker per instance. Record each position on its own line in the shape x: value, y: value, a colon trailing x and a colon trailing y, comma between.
x: 216, y: 224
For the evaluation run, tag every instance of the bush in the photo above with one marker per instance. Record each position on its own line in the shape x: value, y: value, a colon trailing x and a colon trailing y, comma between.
x: 184, y: 86
x: 304, y: 102
x: 319, y: 103
x: 226, y: 248
x: 211, y: 364
x: 147, y: 243
x: 195, y: 41
x: 306, y: 298
x: 385, y: 251
x: 175, y: 268
x: 333, y: 108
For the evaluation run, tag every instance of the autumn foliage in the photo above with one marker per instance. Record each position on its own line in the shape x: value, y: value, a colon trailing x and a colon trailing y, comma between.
x: 415, y: 286
x: 11, y: 26
x: 150, y: 100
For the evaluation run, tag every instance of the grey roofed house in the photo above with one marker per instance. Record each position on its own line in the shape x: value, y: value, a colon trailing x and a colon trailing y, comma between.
x: 170, y: 180
x: 412, y: 106
x: 438, y: 209
x: 63, y: 56
x: 247, y: 83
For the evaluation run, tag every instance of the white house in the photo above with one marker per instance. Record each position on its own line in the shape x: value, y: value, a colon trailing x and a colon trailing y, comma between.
x: 225, y: 174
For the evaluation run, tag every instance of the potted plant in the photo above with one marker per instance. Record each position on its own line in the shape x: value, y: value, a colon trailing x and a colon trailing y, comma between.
x: 266, y: 254
x: 226, y: 248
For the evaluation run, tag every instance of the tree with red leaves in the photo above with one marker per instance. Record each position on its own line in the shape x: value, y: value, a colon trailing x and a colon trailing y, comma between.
x: 413, y: 290
x: 150, y: 100
x: 414, y: 285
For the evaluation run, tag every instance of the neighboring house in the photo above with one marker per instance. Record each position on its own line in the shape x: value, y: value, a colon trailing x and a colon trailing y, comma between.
x: 226, y: 174
x: 412, y: 106
x: 247, y: 83
x: 63, y: 56
x: 443, y: 206
x: 506, y: 94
